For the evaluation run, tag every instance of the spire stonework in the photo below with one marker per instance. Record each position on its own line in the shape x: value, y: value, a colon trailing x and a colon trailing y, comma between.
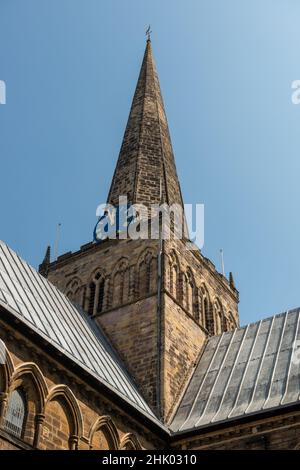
x: 146, y: 168
x: 231, y: 280
x: 44, y: 266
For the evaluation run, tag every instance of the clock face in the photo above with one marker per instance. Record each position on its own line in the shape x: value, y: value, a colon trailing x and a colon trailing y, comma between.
x: 115, y: 220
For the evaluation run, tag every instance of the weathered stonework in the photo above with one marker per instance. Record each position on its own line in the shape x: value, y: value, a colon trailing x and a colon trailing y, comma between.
x: 195, y: 301
x: 145, y: 170
x: 129, y: 303
x: 64, y: 411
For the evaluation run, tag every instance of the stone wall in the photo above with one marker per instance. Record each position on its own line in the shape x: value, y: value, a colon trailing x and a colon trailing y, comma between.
x: 63, y: 411
x: 159, y: 346
x: 67, y: 413
x: 182, y: 341
x: 188, y: 277
x: 133, y: 332
x: 129, y: 305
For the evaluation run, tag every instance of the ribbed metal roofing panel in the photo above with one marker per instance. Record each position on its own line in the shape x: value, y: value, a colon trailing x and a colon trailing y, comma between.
x: 243, y: 372
x: 45, y: 309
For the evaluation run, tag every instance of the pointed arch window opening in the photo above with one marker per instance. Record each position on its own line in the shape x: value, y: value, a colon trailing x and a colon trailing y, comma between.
x: 100, y: 296
x: 146, y: 273
x: 96, y: 295
x: 73, y: 292
x: 230, y: 322
x: 206, y: 312
x: 187, y: 299
x: 126, y: 286
x: 190, y: 295
x: 92, y: 298
x: 14, y: 419
x: 117, y: 290
x: 174, y: 284
x: 148, y: 278
x: 218, y: 319
x: 193, y: 303
x: 171, y: 278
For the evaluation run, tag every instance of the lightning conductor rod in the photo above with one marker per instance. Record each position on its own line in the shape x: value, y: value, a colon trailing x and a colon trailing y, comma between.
x: 222, y: 261
x: 159, y: 302
x: 57, y: 240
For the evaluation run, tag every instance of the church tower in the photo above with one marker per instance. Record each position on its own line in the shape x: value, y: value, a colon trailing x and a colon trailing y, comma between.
x: 156, y: 300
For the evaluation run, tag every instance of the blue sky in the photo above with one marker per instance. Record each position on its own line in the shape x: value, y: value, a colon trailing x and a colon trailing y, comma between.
x: 225, y: 69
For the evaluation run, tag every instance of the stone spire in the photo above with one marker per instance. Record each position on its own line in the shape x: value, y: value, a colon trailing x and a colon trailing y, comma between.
x: 44, y: 266
x: 231, y: 280
x: 145, y: 170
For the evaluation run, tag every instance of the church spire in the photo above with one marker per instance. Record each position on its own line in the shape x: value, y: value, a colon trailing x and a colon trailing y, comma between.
x: 231, y: 281
x: 145, y: 171
x: 44, y: 266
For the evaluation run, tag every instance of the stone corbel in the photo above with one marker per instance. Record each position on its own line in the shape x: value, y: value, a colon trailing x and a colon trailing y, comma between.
x: 73, y: 442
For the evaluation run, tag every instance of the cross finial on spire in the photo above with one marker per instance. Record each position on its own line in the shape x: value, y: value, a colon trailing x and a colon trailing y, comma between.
x: 148, y: 33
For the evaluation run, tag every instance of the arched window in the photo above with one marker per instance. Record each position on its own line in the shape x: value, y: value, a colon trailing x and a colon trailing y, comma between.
x: 147, y: 274
x: 120, y: 292
x: 182, y: 289
x: 173, y: 275
x: 206, y: 317
x: 126, y: 286
x: 170, y: 276
x: 174, y: 281
x: 206, y: 310
x: 96, y: 294
x: 185, y: 291
x: 15, y: 414
x: 230, y: 322
x: 92, y: 287
x: 100, y: 296
x: 144, y: 279
x: 191, y: 300
x: 153, y: 274
x: 219, y: 327
x: 190, y: 297
x: 74, y: 291
x: 117, y: 289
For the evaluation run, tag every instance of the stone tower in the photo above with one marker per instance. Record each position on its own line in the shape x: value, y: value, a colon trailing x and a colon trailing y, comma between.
x: 156, y: 301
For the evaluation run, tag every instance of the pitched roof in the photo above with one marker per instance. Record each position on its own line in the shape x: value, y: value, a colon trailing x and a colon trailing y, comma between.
x: 240, y: 373
x: 244, y: 372
x: 36, y: 302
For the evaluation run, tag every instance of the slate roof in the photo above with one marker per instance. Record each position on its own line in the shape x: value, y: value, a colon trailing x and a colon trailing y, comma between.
x: 36, y: 302
x: 243, y: 372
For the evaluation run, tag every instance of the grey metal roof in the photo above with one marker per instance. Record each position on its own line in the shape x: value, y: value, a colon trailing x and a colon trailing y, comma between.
x: 244, y: 372
x: 240, y: 373
x: 36, y: 302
